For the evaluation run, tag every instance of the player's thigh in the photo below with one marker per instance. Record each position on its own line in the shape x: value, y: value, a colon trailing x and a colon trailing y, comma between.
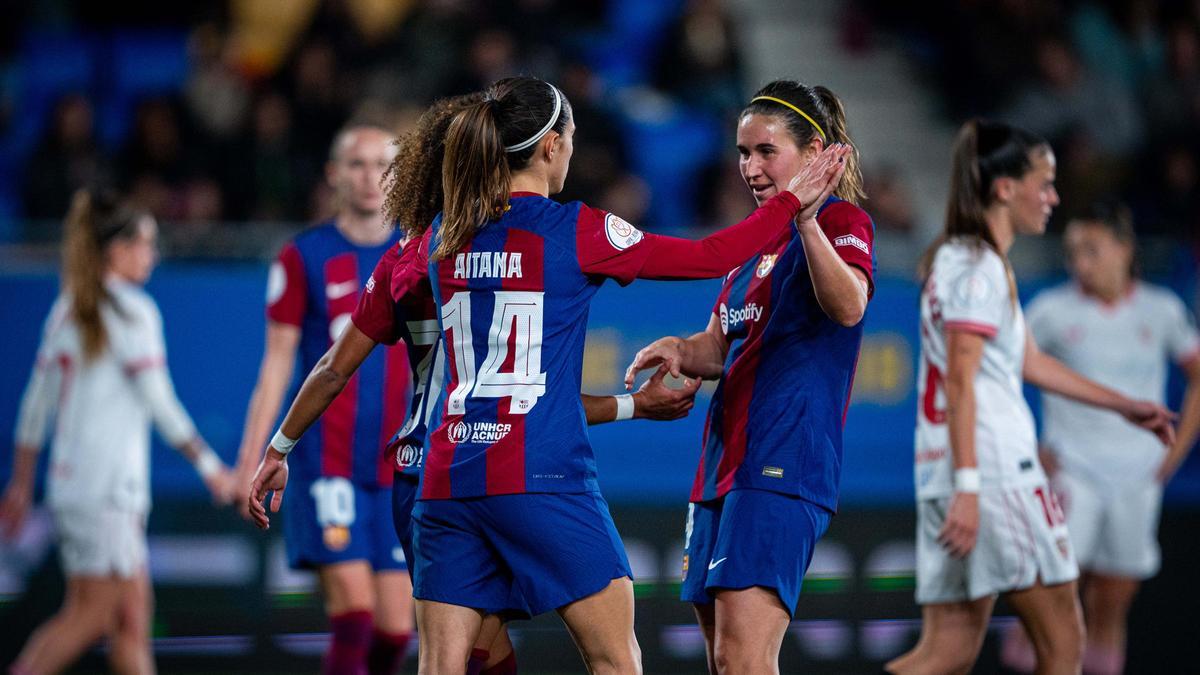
x: 752, y: 620
x: 602, y: 624
x: 393, y: 601
x: 1051, y: 614
x: 347, y: 586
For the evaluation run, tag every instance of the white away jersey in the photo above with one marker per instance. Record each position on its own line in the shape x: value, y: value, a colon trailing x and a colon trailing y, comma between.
x: 968, y: 290
x: 1126, y: 346
x: 100, y: 453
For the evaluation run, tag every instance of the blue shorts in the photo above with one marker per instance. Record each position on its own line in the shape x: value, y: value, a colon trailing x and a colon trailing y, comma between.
x: 404, y: 495
x: 750, y: 538
x: 515, y: 555
x: 331, y: 520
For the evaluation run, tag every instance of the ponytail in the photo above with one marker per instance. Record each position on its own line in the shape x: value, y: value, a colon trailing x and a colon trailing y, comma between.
x: 851, y: 186
x: 477, y: 170
x: 413, y: 189
x: 95, y: 220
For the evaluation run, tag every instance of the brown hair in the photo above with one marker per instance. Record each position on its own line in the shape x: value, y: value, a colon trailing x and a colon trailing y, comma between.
x: 826, y: 110
x: 95, y: 220
x: 413, y: 191
x: 983, y: 152
x: 477, y: 169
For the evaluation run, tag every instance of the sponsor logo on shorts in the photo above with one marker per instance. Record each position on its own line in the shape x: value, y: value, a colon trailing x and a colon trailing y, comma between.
x: 772, y: 472
x: 685, y: 565
x: 336, y: 537
x: 1026, y: 464
x: 751, y: 312
x: 713, y: 565
x: 851, y: 240
x: 620, y: 234
x: 765, y: 265
x: 477, y: 432
x: 1064, y: 547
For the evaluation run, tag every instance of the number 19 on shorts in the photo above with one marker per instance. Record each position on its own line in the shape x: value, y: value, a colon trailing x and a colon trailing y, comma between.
x: 514, y: 341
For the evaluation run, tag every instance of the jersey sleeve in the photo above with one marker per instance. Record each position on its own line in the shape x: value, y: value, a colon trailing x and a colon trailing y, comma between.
x: 1183, y: 341
x: 41, y: 393
x: 408, y: 275
x: 976, y: 298
x: 608, y: 246
x: 375, y: 314
x: 287, y: 290
x: 850, y: 231
x: 138, y: 342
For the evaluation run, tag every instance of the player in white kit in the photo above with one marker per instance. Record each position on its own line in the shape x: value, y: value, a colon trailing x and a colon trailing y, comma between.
x: 101, y: 374
x: 987, y: 522
x: 1108, y: 476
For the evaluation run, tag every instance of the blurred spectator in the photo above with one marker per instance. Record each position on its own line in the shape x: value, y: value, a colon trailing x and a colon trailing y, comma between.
x: 67, y: 159
x: 1066, y: 99
x: 319, y: 96
x: 1121, y: 39
x: 724, y: 197
x: 217, y: 97
x: 699, y: 61
x: 1173, y: 98
x: 889, y: 200
x: 600, y: 158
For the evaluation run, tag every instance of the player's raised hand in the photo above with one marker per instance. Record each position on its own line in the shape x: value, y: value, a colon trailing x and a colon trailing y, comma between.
x: 271, y: 476
x: 962, y: 524
x: 817, y: 180
x: 665, y: 352
x: 14, y: 506
x: 1153, y: 418
x: 654, y: 400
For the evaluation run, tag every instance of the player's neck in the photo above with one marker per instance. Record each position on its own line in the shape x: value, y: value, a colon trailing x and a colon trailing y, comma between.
x: 362, y: 229
x: 529, y: 181
x: 1001, y: 227
x: 1110, y: 296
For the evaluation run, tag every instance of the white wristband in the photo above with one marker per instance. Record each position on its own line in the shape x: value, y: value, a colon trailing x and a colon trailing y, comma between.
x: 967, y: 480
x: 282, y: 443
x: 207, y: 463
x: 625, y: 407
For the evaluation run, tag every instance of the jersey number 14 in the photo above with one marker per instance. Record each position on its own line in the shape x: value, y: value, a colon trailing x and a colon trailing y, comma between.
x: 514, y: 343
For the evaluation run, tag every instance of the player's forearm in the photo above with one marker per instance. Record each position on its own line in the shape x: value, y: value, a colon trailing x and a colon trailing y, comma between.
x: 24, y: 466
x: 839, y: 291
x: 265, y: 402
x: 716, y: 254
x: 960, y: 419
x: 316, y: 394
x: 1189, y: 421
x: 702, y: 355
x: 1050, y: 374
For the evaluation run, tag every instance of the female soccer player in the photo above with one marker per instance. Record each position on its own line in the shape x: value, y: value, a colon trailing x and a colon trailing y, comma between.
x: 509, y: 498
x: 783, y: 338
x: 987, y: 522
x: 398, y: 305
x: 1107, y: 474
x: 339, y: 520
x: 102, y: 368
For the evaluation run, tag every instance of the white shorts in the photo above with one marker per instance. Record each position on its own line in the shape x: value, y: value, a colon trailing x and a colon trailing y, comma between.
x: 1022, y: 538
x: 100, y: 542
x: 1114, y: 530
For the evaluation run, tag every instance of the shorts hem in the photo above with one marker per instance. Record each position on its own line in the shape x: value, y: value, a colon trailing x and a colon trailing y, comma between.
x: 568, y: 598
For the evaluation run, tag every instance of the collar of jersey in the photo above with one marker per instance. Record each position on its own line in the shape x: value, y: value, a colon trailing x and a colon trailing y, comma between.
x: 525, y: 194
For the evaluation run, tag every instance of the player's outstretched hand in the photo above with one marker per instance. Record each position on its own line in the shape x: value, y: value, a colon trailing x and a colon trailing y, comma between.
x: 654, y: 400
x: 667, y: 353
x: 271, y: 476
x: 1153, y: 418
x: 816, y: 181
x: 221, y: 486
x: 962, y: 524
x: 14, y: 506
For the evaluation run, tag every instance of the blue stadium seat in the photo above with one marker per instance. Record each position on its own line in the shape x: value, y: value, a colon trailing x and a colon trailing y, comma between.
x: 669, y: 152
x: 142, y: 64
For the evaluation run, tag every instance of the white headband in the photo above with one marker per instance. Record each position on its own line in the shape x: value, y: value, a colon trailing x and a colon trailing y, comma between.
x: 553, y: 118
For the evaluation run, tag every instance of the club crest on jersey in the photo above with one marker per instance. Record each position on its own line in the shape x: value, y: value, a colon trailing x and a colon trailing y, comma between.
x: 620, y: 233
x: 765, y: 265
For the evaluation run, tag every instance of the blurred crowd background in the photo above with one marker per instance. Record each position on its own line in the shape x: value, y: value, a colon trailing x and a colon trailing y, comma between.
x: 219, y: 114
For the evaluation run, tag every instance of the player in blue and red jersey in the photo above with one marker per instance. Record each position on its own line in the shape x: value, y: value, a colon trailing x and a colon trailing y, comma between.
x: 509, y: 498
x: 783, y: 338
x: 339, y: 519
x: 397, y: 305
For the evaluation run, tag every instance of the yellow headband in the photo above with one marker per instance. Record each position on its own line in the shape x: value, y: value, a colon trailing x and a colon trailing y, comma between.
x: 798, y: 112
